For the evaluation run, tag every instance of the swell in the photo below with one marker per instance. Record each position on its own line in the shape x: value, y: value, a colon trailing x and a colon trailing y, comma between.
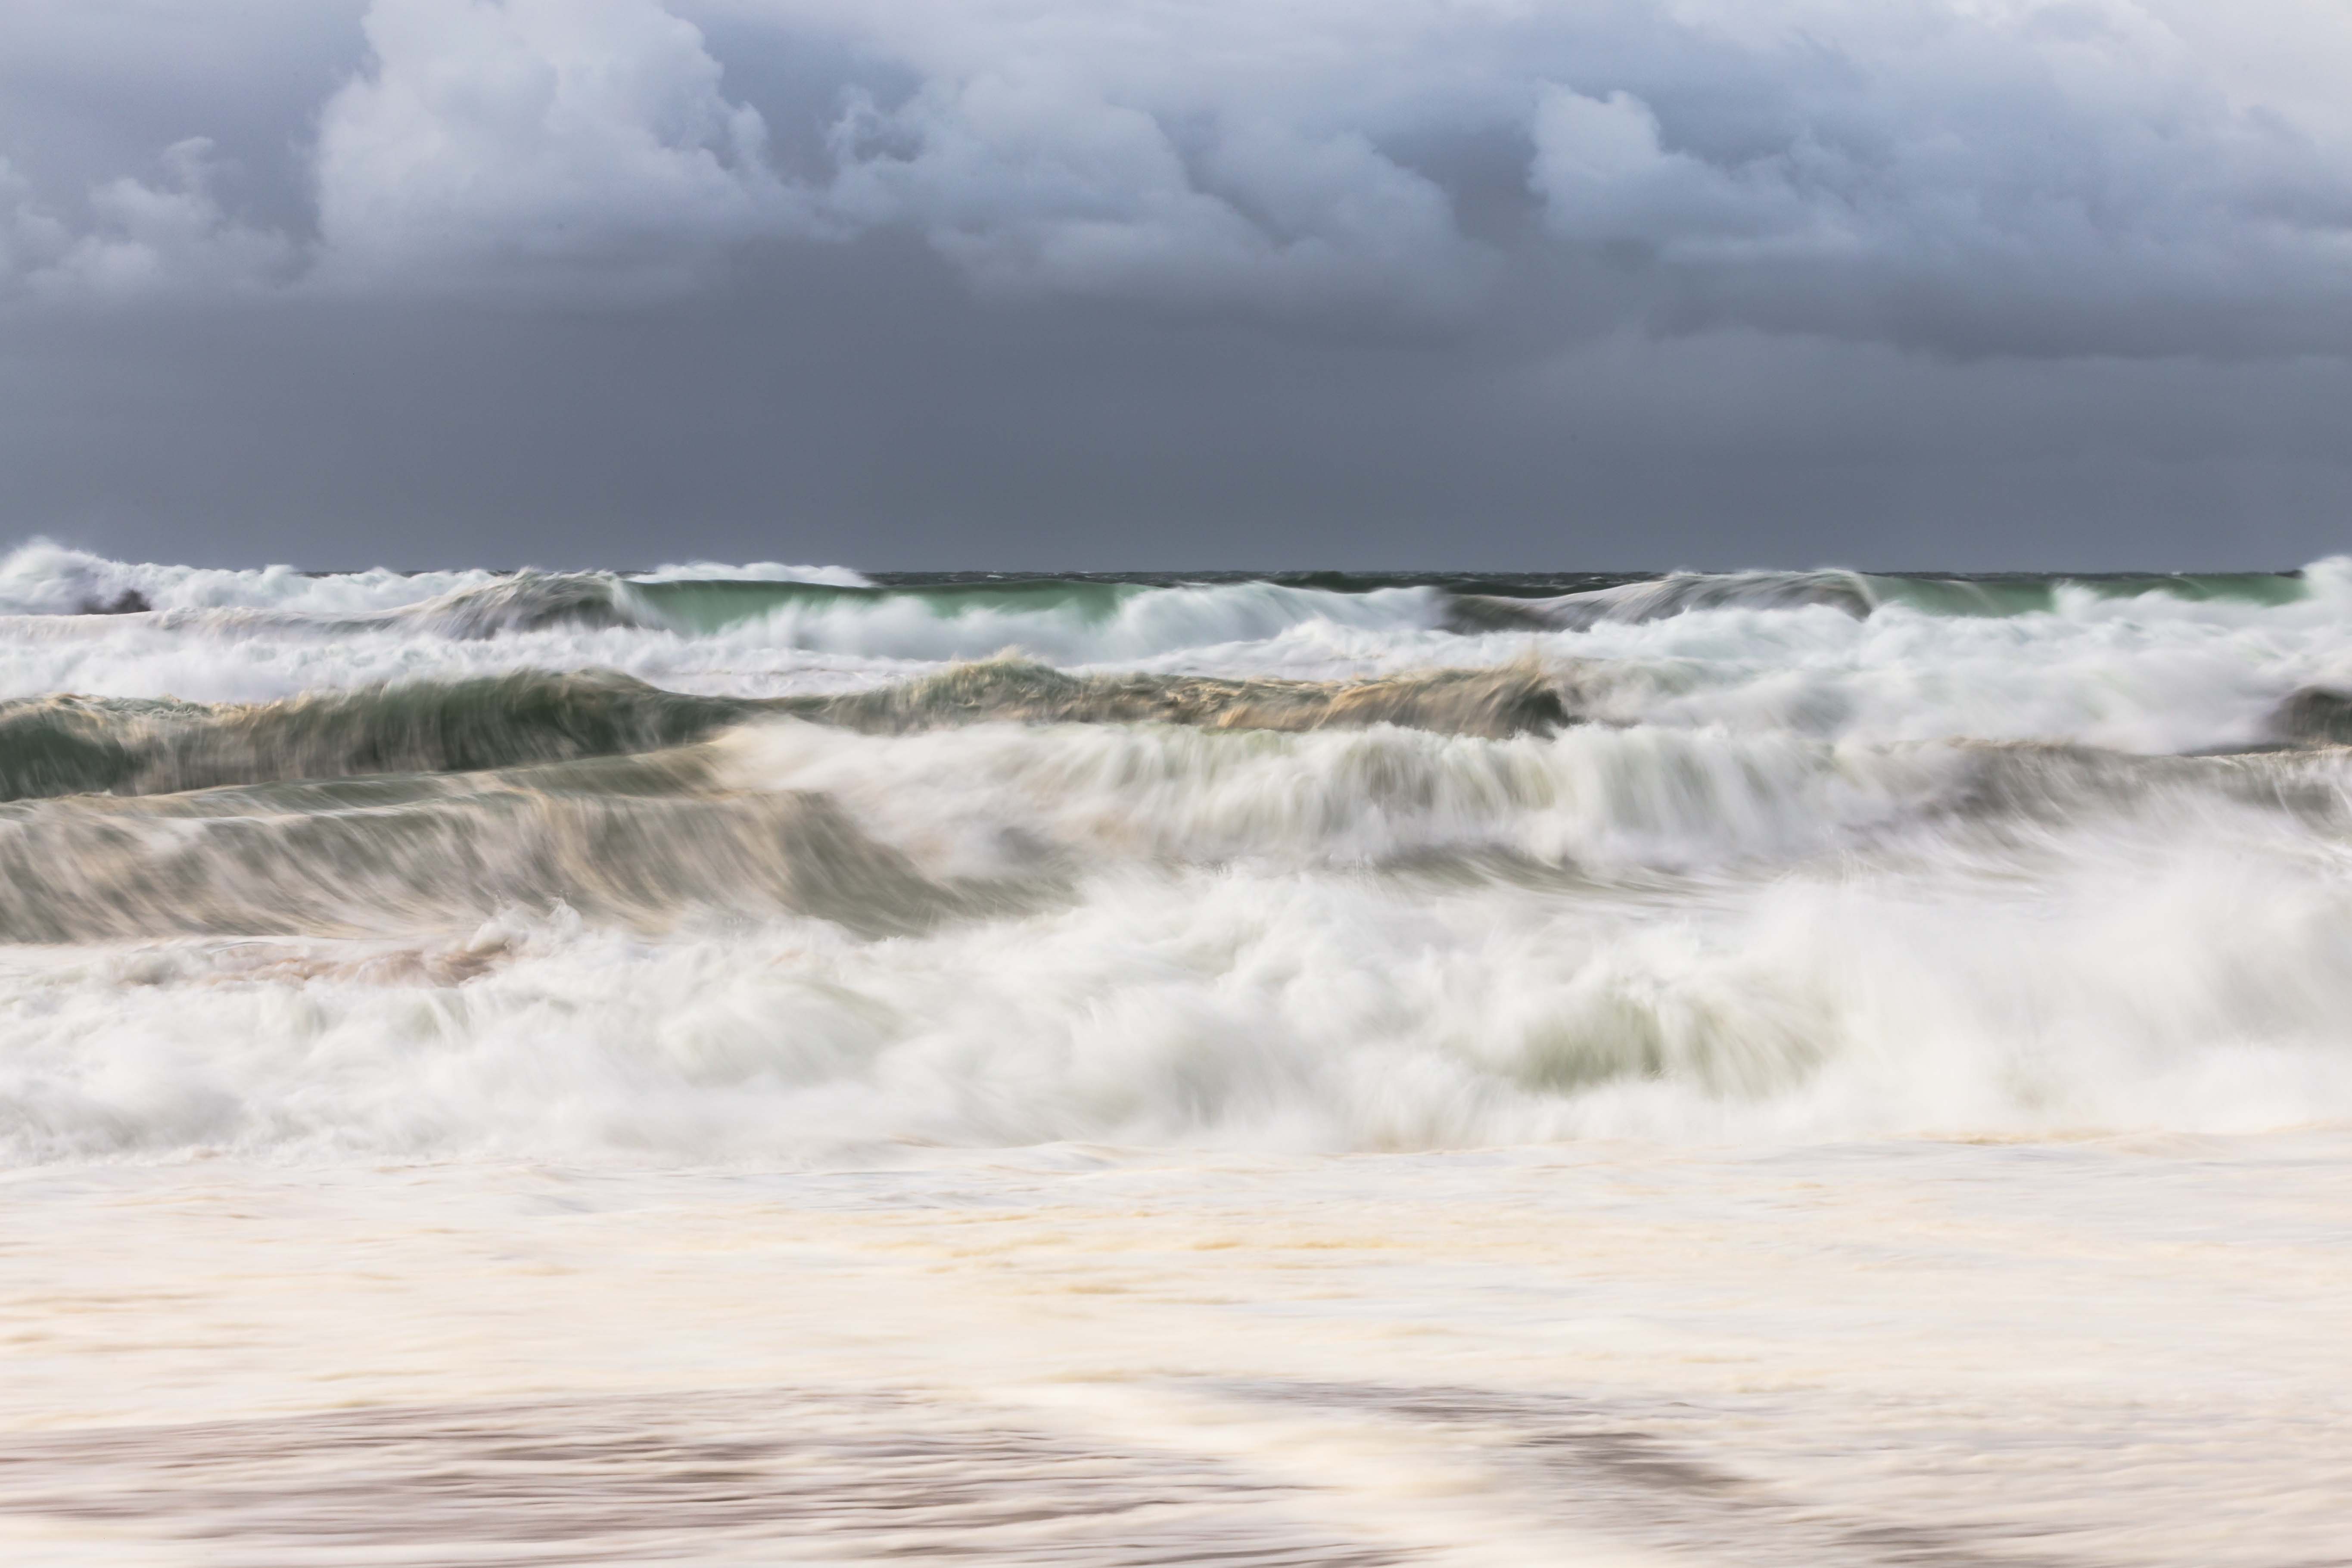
x: 1855, y: 594
x: 885, y: 834
x: 44, y: 578
x: 1492, y: 703
x: 73, y: 745
x: 1072, y: 619
x: 1590, y: 802
x: 2137, y: 975
x: 637, y: 843
x: 525, y: 602
x: 1176, y: 612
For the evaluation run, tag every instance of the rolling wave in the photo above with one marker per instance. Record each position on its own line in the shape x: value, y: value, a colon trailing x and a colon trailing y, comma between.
x: 69, y: 745
x: 899, y: 831
x: 73, y: 745
x: 954, y: 614
x: 943, y: 947
x: 43, y: 578
x: 1859, y: 594
x: 790, y: 864
x: 620, y: 842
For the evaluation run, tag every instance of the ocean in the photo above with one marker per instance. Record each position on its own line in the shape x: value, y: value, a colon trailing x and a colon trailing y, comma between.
x: 769, y: 1063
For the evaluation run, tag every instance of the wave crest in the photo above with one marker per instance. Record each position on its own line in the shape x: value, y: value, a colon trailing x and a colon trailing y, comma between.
x: 74, y: 745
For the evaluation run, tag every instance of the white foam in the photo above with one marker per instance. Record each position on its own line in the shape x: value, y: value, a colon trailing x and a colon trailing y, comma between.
x: 752, y: 571
x: 1828, y: 961
x: 955, y: 798
x: 1792, y: 896
x: 44, y: 578
x: 2152, y: 673
x: 1234, y: 1009
x: 1142, y: 624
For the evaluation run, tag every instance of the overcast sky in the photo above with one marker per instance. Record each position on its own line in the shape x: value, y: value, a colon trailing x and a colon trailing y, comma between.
x: 1095, y: 284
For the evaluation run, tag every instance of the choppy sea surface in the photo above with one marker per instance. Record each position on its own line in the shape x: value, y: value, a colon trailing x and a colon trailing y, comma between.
x: 769, y: 1063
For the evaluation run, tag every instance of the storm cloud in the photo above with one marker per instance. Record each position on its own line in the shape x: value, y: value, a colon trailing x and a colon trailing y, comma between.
x: 1036, y: 282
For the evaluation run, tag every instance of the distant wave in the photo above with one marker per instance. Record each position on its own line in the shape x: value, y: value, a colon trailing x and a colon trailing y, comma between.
x: 968, y: 615
x: 44, y: 578
x: 1855, y: 594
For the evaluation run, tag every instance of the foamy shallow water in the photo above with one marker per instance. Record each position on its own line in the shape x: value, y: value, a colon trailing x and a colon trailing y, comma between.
x: 2056, y: 1352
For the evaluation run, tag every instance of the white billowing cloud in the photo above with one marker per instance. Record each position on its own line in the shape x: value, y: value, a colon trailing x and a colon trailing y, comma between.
x: 1606, y: 177
x: 142, y: 240
x: 2091, y: 174
x: 1187, y: 150
x: 30, y: 237
x: 1969, y: 157
x: 510, y: 135
x: 529, y: 145
x: 1034, y: 181
x: 505, y: 137
x: 2104, y: 176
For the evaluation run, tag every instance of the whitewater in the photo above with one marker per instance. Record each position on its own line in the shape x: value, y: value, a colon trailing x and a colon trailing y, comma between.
x: 1777, y: 1067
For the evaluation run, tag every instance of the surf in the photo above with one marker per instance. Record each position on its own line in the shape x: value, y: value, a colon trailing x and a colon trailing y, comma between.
x: 803, y: 866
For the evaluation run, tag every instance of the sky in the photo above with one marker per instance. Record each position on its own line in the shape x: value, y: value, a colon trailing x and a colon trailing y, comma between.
x: 1180, y: 284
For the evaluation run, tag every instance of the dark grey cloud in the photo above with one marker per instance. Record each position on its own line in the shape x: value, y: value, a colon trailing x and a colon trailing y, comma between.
x: 911, y: 282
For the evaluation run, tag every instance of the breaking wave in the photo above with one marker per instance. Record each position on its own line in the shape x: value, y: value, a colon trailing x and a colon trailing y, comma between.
x: 790, y: 866
x: 1861, y: 594
x: 972, y: 615
x: 75, y: 746
x: 43, y: 578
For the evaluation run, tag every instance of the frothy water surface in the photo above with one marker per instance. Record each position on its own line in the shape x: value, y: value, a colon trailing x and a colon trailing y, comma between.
x: 1754, y: 1067
x: 757, y: 864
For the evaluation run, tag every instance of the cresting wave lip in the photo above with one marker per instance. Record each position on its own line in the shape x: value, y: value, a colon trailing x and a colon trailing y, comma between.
x: 631, y: 843
x: 902, y: 833
x: 1073, y: 621
x: 1856, y: 594
x: 69, y: 745
x: 73, y: 745
x: 41, y: 577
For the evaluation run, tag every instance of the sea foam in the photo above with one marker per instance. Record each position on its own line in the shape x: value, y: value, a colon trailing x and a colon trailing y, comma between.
x: 690, y: 866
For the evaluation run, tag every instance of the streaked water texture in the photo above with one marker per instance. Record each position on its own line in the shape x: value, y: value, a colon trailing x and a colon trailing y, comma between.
x: 766, y: 1064
x: 784, y: 864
